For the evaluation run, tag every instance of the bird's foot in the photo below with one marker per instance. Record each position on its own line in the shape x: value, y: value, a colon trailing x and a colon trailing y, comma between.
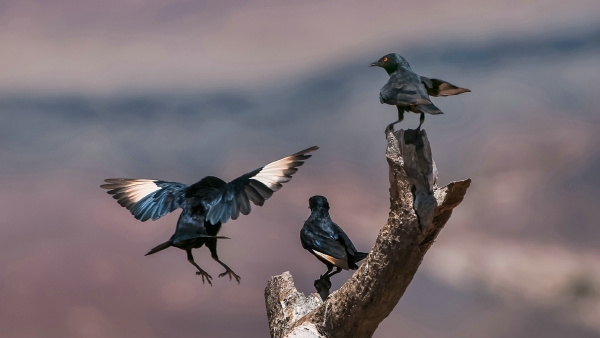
x: 417, y: 132
x: 230, y: 273
x: 323, y: 285
x: 204, y: 275
x: 389, y: 128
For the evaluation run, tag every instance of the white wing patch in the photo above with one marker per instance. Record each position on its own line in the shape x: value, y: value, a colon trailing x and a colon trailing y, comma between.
x: 135, y: 190
x: 340, y: 263
x: 275, y: 173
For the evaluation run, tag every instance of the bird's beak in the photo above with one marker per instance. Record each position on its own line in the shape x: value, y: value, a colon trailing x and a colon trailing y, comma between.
x: 375, y: 64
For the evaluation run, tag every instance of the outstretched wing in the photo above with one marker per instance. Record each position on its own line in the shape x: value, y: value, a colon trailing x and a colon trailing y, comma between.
x: 401, y: 90
x: 146, y: 199
x: 437, y: 87
x: 256, y: 186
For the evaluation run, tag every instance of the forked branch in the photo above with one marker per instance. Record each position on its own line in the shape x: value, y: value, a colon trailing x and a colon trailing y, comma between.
x: 418, y: 212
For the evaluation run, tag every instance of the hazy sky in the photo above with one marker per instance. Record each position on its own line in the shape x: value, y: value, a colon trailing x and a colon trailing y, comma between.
x: 178, y: 91
x: 107, y: 47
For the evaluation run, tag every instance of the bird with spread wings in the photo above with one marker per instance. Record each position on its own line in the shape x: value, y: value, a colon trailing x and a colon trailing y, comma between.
x: 205, y: 205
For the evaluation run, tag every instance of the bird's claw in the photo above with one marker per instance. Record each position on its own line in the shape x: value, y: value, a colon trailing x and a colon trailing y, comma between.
x: 389, y: 128
x: 323, y: 285
x: 204, y: 274
x: 230, y: 273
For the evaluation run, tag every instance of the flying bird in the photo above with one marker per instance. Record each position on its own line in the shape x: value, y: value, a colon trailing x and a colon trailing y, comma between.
x: 327, y: 241
x: 409, y: 91
x: 206, y: 204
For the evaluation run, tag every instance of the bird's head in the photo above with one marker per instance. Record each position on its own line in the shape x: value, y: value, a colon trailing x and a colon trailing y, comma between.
x: 318, y: 202
x: 391, y: 62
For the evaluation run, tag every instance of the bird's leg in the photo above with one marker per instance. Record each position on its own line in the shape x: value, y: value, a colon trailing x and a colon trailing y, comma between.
x: 228, y: 272
x: 338, y: 270
x: 323, y: 285
x: 421, y: 120
x: 200, y: 272
x: 212, y: 246
x: 390, y: 126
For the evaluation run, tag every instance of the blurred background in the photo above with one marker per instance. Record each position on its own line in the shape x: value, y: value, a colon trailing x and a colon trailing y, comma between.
x: 183, y: 89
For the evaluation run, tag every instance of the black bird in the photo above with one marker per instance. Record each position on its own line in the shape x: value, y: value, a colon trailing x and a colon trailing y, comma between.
x: 206, y: 204
x: 409, y: 91
x: 327, y: 241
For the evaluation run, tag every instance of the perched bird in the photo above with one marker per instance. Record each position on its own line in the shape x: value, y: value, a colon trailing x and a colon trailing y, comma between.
x: 327, y: 241
x: 206, y: 204
x: 409, y: 91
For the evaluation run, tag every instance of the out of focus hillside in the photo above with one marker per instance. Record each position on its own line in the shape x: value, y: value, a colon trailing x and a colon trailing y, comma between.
x: 519, y: 258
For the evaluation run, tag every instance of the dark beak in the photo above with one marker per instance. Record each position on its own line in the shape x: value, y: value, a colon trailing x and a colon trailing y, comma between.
x: 375, y: 64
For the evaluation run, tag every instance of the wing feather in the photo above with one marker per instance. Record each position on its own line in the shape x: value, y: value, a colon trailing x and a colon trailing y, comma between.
x: 437, y: 87
x: 256, y: 186
x: 146, y: 199
x: 339, y: 262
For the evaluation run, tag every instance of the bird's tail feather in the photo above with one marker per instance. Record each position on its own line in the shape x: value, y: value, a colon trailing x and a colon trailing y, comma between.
x: 428, y: 109
x: 160, y: 247
x: 216, y: 237
x: 357, y: 257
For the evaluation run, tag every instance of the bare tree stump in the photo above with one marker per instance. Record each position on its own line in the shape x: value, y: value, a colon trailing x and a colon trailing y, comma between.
x: 418, y: 211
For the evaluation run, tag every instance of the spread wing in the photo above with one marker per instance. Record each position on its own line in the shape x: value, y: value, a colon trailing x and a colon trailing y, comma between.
x: 146, y: 199
x: 256, y: 186
x: 401, y: 90
x: 437, y: 87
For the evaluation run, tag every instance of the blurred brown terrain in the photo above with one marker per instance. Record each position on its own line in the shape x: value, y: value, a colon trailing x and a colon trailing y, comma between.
x: 519, y: 258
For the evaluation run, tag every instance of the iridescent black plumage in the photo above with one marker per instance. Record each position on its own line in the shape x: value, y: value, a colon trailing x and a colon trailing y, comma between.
x: 206, y: 204
x: 327, y: 241
x: 409, y: 91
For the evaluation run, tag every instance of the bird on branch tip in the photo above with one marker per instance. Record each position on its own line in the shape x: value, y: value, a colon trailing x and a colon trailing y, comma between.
x: 205, y: 205
x: 409, y: 91
x: 327, y: 241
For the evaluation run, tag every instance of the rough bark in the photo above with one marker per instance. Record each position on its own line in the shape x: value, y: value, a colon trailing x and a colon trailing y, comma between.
x: 418, y: 212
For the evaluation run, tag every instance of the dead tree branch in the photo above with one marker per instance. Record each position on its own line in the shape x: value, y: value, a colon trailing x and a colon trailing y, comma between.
x: 418, y: 212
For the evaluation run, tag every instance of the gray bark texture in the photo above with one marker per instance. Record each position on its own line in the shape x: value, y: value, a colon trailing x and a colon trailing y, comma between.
x: 418, y: 212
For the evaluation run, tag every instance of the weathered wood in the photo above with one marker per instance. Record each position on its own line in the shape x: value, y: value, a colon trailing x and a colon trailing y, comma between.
x: 418, y: 212
x: 285, y: 305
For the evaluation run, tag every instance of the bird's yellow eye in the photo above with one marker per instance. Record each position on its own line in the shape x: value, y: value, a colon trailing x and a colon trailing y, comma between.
x: 385, y: 59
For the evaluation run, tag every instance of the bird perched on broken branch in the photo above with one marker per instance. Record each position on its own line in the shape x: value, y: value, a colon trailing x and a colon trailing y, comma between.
x: 409, y: 91
x: 327, y: 241
x: 206, y: 204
